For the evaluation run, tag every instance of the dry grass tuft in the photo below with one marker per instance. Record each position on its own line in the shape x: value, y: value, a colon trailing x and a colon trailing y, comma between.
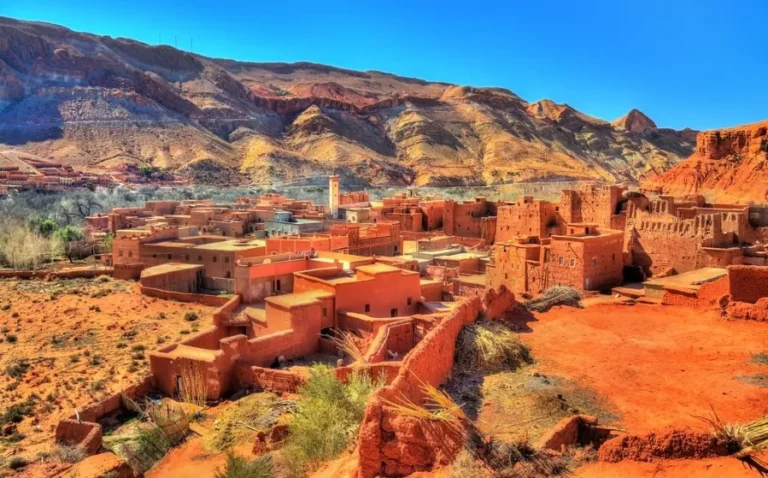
x: 346, y: 343
x: 745, y: 441
x: 490, y: 347
x: 438, y: 407
x: 558, y: 295
x: 194, y: 386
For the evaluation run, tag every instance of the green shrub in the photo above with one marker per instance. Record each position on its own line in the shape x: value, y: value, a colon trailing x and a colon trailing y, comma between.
x: 17, y: 462
x: 238, y: 467
x: 327, y: 419
x: 17, y: 369
x: 190, y: 317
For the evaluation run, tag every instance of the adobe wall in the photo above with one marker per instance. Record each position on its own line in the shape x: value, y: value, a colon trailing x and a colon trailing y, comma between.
x: 210, y: 300
x: 224, y: 311
x: 432, y: 291
x: 525, y: 218
x: 51, y: 274
x: 603, y: 262
x: 84, y: 435
x: 128, y: 271
x: 707, y: 294
x: 269, y: 379
x: 391, y: 444
x: 178, y: 280
x: 748, y: 283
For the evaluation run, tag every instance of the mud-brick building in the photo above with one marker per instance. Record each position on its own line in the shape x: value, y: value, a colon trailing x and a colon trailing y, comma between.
x: 283, y: 223
x: 470, y: 219
x: 585, y: 257
x: 290, y: 325
x: 526, y: 217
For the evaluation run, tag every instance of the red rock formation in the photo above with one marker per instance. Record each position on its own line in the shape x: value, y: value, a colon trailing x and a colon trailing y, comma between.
x: 729, y: 165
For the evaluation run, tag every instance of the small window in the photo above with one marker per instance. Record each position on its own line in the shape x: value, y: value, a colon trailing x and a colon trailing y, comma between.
x: 277, y: 284
x: 393, y: 313
x: 227, y: 275
x: 200, y: 258
x: 169, y: 257
x: 573, y: 262
x: 226, y: 260
x: 120, y: 253
x: 561, y: 261
x: 594, y: 261
x: 130, y: 253
x: 215, y: 258
x: 186, y: 257
x: 613, y: 257
x: 325, y: 312
x: 409, y: 301
x: 367, y: 307
x: 154, y: 256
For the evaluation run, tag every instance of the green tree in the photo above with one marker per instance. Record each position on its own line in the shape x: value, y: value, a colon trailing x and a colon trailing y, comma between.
x: 47, y: 227
x: 146, y: 170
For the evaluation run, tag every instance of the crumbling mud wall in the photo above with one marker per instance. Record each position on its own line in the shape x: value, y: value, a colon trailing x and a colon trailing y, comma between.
x: 51, y: 274
x: 189, y: 297
x: 669, y: 444
x: 390, y: 444
x: 706, y: 296
x: 746, y: 311
x: 496, y: 302
x: 83, y: 430
x: 269, y: 379
x: 748, y: 283
x: 84, y: 435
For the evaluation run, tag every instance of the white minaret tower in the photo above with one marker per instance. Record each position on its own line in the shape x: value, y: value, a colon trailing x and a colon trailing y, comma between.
x: 333, y: 196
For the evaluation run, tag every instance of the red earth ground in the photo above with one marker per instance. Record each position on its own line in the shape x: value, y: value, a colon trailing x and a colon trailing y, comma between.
x: 656, y: 365
x: 83, y: 340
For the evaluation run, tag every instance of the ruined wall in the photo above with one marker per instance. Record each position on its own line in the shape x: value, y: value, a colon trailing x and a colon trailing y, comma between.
x: 706, y: 296
x: 269, y: 379
x: 658, y: 242
x: 85, y: 435
x: 392, y: 444
x: 748, y: 283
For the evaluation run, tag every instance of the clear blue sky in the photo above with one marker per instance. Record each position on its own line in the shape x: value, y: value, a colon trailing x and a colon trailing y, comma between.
x: 701, y: 64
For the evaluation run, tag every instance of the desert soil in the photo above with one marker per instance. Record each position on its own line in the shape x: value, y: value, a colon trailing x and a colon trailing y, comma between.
x: 81, y: 340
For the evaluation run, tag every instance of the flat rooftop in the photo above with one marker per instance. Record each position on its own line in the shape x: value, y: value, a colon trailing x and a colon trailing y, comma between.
x: 169, y: 267
x: 379, y: 268
x: 463, y: 256
x: 298, y: 299
x: 473, y: 279
x: 233, y: 245
x: 688, y: 280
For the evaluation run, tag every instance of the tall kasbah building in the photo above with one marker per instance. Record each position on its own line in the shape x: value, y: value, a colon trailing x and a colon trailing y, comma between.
x: 333, y: 196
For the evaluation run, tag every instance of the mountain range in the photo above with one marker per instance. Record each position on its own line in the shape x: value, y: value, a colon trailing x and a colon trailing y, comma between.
x: 109, y: 103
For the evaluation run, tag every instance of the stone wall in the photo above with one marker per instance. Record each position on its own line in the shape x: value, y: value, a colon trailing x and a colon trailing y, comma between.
x: 704, y: 297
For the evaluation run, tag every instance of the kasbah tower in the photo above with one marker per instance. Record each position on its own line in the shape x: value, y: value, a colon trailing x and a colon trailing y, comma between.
x: 333, y: 196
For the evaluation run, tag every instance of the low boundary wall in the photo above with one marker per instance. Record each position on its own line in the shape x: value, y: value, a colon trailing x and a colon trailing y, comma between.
x: 748, y: 283
x: 210, y: 300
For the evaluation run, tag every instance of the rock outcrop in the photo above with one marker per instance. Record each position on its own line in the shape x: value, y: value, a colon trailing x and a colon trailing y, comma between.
x: 729, y: 165
x: 101, y: 102
x: 635, y: 121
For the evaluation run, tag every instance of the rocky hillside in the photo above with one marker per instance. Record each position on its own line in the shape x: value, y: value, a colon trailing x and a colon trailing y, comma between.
x: 729, y: 165
x: 102, y: 102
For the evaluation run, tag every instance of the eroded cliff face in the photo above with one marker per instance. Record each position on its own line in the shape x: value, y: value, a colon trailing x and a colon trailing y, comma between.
x: 729, y: 165
x: 102, y: 102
